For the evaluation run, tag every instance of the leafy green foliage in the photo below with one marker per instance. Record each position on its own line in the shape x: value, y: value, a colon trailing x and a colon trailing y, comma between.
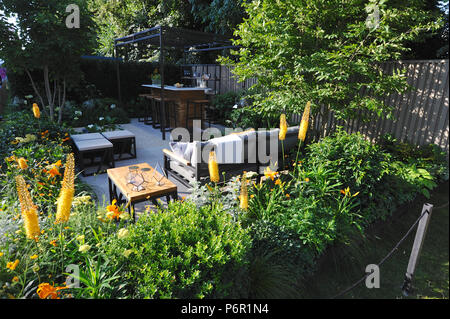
x: 184, y: 252
x: 325, y: 52
x: 356, y: 162
x: 40, y: 40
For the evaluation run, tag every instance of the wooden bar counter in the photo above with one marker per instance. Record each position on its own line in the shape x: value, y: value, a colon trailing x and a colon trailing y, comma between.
x: 180, y: 96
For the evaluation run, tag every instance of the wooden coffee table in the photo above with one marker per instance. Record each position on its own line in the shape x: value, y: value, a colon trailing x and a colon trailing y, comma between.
x: 122, y: 192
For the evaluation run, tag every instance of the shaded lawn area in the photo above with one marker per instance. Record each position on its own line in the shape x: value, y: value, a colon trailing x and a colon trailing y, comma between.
x: 344, y: 265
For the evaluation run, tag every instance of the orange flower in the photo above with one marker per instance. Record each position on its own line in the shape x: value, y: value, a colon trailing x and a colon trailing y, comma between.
x: 278, y: 182
x: 53, y: 171
x: 269, y: 173
x: 113, y: 210
x: 12, y: 158
x: 58, y: 163
x: 307, y: 179
x: 53, y: 242
x: 12, y: 265
x: 45, y: 290
x: 287, y: 195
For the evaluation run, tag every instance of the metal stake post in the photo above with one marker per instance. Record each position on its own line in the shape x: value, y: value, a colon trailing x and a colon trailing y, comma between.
x: 417, y: 247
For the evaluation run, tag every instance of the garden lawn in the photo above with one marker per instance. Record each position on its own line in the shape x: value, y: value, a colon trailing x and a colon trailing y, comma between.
x: 344, y: 265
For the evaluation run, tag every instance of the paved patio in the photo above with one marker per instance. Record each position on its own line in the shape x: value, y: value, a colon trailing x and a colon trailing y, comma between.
x: 149, y: 146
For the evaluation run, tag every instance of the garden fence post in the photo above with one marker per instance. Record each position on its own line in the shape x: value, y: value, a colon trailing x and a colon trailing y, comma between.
x: 417, y: 247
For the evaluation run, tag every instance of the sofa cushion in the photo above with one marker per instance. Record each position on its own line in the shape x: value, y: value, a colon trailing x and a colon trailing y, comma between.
x: 182, y: 149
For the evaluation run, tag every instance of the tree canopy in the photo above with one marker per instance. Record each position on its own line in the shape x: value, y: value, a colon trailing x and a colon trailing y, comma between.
x: 120, y: 18
x: 327, y: 52
x: 41, y: 40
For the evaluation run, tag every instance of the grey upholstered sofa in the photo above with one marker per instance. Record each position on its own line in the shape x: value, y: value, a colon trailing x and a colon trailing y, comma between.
x: 260, y: 149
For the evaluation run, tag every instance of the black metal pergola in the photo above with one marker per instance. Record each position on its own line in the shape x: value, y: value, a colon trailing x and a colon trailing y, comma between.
x: 164, y: 37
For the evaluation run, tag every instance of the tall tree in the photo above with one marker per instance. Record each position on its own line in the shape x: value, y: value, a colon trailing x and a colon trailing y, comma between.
x: 218, y: 16
x: 41, y: 40
x: 120, y: 18
x: 326, y: 52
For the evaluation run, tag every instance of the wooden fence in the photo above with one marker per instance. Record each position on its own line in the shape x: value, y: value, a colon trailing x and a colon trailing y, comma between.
x: 420, y: 115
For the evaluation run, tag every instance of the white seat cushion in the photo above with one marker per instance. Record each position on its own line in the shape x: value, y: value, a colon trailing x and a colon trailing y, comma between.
x: 97, y: 144
x: 113, y: 135
x: 86, y: 136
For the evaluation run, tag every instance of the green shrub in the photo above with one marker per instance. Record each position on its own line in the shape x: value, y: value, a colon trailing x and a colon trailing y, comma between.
x: 430, y: 156
x: 354, y: 161
x: 284, y: 245
x: 184, y: 252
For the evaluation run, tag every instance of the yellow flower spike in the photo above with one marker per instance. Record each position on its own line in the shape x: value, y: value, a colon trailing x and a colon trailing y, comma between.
x: 67, y: 191
x: 244, y: 193
x: 283, y: 127
x: 36, y: 111
x: 28, y: 209
x: 213, y: 168
x: 304, y: 123
x: 22, y: 163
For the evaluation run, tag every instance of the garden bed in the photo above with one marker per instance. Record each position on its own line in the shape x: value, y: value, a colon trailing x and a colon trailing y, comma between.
x: 213, y: 244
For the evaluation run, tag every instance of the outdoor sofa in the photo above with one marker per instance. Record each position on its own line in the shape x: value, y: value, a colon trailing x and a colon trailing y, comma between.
x: 184, y: 162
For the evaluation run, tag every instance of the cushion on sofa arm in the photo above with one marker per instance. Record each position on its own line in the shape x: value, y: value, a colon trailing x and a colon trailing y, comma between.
x: 182, y: 149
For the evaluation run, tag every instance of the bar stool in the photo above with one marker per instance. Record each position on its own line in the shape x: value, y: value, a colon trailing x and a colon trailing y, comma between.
x: 148, y: 117
x: 195, y: 110
x: 210, y: 110
x: 170, y: 114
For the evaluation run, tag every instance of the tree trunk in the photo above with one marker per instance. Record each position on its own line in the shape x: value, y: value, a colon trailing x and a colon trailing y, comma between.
x: 49, y: 93
x: 41, y: 100
x: 62, y: 102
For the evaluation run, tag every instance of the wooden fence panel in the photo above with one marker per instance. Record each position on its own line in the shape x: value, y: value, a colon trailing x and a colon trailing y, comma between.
x: 420, y: 115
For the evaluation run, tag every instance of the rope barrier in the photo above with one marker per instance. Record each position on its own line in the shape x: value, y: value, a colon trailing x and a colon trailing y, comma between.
x: 390, y: 253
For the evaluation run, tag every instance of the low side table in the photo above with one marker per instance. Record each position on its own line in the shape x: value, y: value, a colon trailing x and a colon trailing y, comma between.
x: 124, y: 142
x: 92, y: 145
x: 123, y: 193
